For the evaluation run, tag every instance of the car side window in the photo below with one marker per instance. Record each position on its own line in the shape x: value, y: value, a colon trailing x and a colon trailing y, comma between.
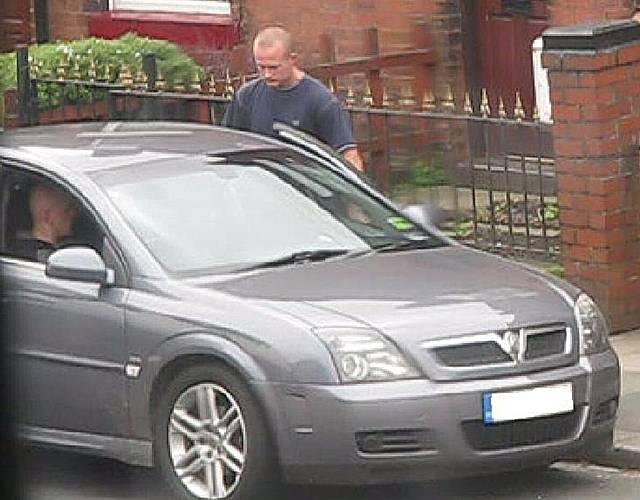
x: 41, y: 216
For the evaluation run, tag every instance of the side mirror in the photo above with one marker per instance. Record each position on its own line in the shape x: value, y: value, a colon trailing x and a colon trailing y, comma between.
x: 79, y: 264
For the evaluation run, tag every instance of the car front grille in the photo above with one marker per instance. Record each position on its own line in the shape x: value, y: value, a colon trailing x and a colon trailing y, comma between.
x: 505, y: 347
x: 395, y: 441
x: 546, y: 343
x: 481, y: 353
x: 491, y: 437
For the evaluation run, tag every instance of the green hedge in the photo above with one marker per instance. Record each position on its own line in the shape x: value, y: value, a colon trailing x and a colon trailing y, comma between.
x: 176, y: 66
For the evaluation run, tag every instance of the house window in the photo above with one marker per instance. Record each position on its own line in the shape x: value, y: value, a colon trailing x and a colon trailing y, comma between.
x: 183, y: 6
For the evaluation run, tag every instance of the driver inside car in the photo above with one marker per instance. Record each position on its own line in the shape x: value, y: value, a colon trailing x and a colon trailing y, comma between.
x: 53, y: 213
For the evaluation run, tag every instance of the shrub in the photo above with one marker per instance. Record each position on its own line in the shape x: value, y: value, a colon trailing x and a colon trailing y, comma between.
x: 77, y: 56
x: 424, y: 172
x: 7, y: 71
x: 430, y: 172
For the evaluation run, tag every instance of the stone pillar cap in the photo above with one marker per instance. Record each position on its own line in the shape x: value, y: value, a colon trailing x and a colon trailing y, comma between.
x: 591, y: 36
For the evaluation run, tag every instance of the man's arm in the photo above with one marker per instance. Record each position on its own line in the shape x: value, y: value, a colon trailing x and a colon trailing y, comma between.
x: 335, y: 130
x: 353, y: 156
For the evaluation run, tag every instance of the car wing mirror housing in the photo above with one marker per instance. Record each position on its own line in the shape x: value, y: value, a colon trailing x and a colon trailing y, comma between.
x: 79, y: 264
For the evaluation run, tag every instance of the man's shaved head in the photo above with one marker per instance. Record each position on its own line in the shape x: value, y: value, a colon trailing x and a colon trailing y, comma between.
x: 273, y: 35
x: 45, y: 197
x: 53, y: 212
x: 275, y: 59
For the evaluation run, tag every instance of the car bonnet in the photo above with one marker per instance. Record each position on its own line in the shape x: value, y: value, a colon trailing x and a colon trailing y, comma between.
x: 411, y: 296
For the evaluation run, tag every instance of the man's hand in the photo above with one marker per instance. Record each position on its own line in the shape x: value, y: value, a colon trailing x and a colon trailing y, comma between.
x: 353, y: 157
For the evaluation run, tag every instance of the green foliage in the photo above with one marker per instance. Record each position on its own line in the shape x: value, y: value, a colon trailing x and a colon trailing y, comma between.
x: 7, y: 71
x: 551, y: 267
x: 551, y: 211
x: 556, y: 270
x: 424, y: 173
x: 463, y: 229
x: 109, y: 58
x: 430, y: 172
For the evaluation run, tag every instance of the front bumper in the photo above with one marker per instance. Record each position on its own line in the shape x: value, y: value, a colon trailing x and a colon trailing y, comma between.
x: 321, y: 432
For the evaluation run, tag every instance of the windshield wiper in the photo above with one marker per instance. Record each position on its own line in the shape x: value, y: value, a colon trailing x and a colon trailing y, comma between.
x: 301, y: 257
x: 399, y: 246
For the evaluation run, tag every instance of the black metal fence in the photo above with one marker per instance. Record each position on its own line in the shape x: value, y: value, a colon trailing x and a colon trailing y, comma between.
x: 489, y: 180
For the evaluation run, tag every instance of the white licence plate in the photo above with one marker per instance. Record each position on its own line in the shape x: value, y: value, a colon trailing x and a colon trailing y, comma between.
x: 527, y: 403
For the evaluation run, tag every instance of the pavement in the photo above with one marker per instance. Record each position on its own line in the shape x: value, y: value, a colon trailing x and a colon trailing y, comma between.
x: 626, y: 441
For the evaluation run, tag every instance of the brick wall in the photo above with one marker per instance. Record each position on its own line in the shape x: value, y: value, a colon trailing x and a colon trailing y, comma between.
x: 569, y: 12
x: 69, y: 19
x: 307, y: 21
x: 348, y: 20
x: 595, y: 91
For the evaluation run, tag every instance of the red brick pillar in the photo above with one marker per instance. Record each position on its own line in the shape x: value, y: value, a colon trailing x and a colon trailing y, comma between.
x: 594, y: 74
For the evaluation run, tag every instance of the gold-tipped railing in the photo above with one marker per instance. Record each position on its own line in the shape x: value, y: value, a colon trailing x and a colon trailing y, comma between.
x: 446, y: 98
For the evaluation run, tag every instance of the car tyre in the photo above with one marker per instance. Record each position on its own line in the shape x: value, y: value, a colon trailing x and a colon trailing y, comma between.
x: 209, y: 437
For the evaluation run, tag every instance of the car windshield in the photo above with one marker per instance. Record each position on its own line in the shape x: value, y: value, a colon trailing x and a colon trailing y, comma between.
x: 201, y: 214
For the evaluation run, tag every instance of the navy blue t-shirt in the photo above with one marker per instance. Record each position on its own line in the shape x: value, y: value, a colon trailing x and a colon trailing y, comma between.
x: 308, y: 106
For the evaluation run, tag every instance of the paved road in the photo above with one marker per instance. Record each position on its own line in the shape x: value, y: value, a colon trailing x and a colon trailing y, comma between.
x: 628, y: 425
x: 59, y: 476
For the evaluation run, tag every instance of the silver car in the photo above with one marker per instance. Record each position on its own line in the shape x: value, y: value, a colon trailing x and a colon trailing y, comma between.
x: 240, y: 311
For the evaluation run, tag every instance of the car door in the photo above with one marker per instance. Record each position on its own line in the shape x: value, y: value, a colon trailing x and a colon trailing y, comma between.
x: 66, y: 338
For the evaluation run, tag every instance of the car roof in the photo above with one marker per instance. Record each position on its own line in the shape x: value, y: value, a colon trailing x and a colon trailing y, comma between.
x: 88, y: 146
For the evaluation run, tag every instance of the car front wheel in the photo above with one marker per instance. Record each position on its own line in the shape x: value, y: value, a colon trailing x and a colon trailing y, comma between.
x: 210, y: 440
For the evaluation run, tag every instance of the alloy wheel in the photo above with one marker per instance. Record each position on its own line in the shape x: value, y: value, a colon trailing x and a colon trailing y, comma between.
x: 207, y: 441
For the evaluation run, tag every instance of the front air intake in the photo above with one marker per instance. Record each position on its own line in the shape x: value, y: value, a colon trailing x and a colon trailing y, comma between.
x: 395, y: 441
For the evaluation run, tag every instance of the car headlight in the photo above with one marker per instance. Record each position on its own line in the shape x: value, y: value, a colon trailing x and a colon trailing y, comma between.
x: 363, y: 355
x: 591, y: 324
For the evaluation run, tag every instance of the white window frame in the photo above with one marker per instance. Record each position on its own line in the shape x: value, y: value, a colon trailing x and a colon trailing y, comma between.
x: 220, y: 7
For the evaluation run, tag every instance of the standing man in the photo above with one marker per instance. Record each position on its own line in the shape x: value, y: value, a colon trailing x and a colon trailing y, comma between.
x: 284, y: 93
